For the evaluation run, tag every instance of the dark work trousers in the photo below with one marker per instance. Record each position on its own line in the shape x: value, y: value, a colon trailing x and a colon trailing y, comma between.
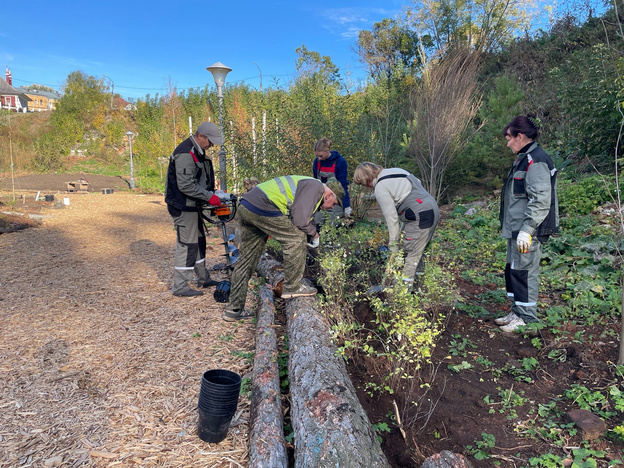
x: 332, y: 215
x: 190, y: 256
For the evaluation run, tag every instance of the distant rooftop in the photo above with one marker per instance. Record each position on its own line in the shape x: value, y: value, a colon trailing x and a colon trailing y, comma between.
x: 48, y: 94
x: 7, y: 90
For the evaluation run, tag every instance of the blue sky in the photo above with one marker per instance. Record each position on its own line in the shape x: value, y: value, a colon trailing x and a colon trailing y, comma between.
x: 142, y: 46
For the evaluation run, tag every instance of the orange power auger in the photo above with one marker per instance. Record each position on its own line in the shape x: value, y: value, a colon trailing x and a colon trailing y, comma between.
x: 219, y: 215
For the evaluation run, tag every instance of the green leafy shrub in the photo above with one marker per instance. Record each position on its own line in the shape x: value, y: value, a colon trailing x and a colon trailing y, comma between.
x: 583, y: 196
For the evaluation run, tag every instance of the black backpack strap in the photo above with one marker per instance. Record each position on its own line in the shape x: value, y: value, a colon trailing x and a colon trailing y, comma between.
x: 391, y: 176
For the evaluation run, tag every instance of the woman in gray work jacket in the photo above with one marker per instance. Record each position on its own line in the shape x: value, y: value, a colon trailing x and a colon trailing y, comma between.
x: 529, y: 214
x: 402, y: 199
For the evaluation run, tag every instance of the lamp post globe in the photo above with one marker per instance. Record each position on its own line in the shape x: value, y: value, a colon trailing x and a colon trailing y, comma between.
x: 219, y: 72
x: 130, y: 135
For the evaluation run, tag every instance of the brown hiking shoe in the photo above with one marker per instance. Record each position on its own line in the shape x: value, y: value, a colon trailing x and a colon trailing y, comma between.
x: 188, y: 293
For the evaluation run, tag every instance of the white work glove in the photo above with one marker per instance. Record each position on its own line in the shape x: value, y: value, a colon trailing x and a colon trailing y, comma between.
x: 314, y: 243
x: 523, y: 242
x: 348, y: 211
x: 223, y: 196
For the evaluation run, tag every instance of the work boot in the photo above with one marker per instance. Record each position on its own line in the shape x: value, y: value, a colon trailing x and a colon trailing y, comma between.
x: 208, y: 283
x: 234, y: 315
x: 188, y: 293
x: 303, y: 291
x: 506, y: 320
x: 513, y: 325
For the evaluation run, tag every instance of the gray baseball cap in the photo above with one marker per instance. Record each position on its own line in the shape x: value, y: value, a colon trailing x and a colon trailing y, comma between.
x: 211, y: 131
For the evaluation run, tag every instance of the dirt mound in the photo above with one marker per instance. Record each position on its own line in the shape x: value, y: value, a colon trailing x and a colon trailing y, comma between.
x: 58, y: 182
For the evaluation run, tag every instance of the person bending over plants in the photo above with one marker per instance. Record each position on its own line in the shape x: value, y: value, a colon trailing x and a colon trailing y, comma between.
x: 402, y: 197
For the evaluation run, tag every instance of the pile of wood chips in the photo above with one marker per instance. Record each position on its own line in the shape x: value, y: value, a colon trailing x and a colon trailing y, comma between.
x: 100, y: 364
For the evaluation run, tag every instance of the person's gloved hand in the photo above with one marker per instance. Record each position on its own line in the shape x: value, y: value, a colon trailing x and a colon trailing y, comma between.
x: 347, y: 211
x: 523, y: 242
x: 393, y: 248
x: 314, y: 243
x: 215, y: 200
x: 223, y: 196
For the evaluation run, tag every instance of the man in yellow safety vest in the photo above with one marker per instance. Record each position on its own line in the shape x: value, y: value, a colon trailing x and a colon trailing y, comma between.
x: 281, y: 208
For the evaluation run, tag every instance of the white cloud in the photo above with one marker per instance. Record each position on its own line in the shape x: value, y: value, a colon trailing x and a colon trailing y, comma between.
x: 348, y: 22
x: 75, y: 63
x: 351, y: 33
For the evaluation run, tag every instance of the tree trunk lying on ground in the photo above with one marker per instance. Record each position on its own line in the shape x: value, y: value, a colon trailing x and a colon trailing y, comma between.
x: 267, y: 443
x: 447, y: 459
x: 273, y: 271
x: 329, y: 423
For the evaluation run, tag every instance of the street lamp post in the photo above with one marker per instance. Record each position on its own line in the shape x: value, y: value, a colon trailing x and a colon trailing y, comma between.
x: 219, y: 72
x: 130, y: 135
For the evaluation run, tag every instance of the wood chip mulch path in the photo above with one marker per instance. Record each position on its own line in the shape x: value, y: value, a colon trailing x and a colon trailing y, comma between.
x: 99, y: 364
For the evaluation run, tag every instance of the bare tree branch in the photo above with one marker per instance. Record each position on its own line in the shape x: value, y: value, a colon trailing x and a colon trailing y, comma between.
x: 444, y: 105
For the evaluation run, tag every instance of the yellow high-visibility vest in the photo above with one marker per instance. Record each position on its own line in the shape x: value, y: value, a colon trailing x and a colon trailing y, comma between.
x: 282, y: 190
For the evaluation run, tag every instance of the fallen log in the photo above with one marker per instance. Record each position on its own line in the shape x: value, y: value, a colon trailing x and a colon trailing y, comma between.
x: 330, y: 426
x: 267, y: 443
x: 447, y: 459
x: 273, y: 271
x: 329, y: 423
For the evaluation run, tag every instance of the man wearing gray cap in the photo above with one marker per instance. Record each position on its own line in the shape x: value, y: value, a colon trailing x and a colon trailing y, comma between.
x: 190, y: 179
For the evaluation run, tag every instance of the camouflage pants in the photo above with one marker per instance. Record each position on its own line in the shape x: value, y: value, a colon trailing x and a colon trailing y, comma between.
x: 254, y: 232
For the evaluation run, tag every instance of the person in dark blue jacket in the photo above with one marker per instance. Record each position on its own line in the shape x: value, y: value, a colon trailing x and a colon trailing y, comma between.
x: 328, y: 163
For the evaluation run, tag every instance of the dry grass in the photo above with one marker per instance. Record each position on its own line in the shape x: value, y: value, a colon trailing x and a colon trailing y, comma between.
x: 100, y: 365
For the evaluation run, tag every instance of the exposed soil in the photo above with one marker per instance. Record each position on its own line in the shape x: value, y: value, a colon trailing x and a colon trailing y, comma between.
x: 57, y: 183
x: 461, y: 415
x: 20, y: 208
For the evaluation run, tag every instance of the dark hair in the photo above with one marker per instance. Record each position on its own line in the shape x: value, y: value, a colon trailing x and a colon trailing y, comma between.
x: 529, y: 125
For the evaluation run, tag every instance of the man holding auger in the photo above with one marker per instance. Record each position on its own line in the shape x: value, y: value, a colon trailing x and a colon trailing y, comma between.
x: 190, y: 180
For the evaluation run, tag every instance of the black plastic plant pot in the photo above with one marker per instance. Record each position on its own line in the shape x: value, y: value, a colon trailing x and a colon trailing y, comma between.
x: 221, y: 380
x: 217, y: 408
x: 212, y: 428
x: 207, y: 400
x: 219, y: 392
x: 222, y: 292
